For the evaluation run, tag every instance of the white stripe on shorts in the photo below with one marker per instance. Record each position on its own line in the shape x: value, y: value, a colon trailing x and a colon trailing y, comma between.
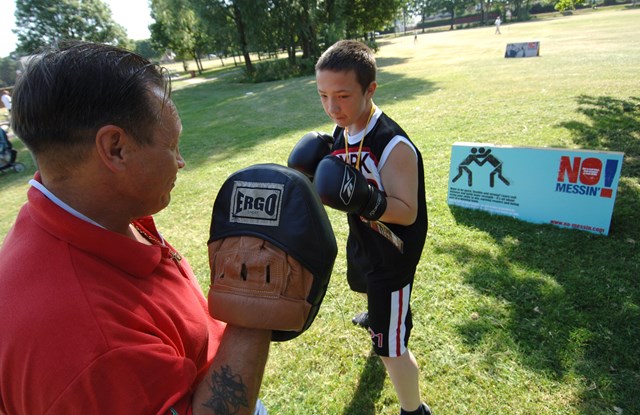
x: 397, y: 328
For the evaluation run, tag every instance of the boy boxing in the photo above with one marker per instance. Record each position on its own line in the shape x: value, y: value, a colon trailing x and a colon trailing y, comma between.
x: 370, y: 169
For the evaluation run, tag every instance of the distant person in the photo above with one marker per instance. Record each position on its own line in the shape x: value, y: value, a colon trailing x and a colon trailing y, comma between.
x: 415, y: 38
x: 6, y: 100
x: 497, y: 23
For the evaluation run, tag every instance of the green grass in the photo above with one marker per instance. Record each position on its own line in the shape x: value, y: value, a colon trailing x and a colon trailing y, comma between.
x: 509, y: 317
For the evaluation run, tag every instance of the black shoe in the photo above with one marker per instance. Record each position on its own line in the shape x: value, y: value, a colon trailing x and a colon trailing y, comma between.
x: 361, y: 320
x: 422, y: 410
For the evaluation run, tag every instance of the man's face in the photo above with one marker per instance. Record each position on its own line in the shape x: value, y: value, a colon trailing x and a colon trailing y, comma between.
x: 155, y: 166
x: 343, y: 100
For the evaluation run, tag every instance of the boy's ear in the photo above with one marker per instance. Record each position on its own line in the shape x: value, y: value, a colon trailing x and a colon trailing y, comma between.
x: 371, y: 89
x: 111, y: 142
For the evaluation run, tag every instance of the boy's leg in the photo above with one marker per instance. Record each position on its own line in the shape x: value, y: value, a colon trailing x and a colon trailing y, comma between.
x: 404, y: 374
x: 390, y: 327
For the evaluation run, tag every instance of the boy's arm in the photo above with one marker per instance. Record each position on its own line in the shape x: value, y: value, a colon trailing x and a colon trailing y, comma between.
x: 400, y: 179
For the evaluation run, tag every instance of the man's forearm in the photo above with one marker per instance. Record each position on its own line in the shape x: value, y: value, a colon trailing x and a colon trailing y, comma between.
x: 233, y: 381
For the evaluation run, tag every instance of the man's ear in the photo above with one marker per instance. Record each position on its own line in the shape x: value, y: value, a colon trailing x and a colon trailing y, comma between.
x: 111, y: 142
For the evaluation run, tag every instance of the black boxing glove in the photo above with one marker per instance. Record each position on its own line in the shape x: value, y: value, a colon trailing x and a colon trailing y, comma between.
x: 308, y: 152
x: 342, y: 187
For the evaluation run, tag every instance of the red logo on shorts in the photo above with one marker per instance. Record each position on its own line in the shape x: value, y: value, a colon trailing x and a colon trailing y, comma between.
x: 376, y: 338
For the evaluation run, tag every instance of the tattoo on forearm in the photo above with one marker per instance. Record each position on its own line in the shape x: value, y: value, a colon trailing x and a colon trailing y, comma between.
x: 228, y: 392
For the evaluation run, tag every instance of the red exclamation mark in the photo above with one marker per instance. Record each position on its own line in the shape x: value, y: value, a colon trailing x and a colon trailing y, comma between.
x: 609, y: 173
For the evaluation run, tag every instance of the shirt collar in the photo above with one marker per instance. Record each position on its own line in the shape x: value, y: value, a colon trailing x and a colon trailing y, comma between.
x: 118, y: 250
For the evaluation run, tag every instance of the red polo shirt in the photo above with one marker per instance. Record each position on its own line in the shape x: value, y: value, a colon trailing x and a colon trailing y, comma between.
x: 92, y: 322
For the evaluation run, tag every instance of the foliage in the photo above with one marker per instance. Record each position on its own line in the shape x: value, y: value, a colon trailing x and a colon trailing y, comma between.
x: 469, y: 20
x: 364, y: 16
x: 373, y: 45
x: 455, y: 8
x: 520, y: 9
x: 565, y: 5
x: 280, y: 69
x: 219, y: 27
x: 425, y: 8
x: 195, y: 27
x: 145, y: 48
x: 537, y: 8
x: 8, y: 68
x: 177, y: 28
x: 41, y: 22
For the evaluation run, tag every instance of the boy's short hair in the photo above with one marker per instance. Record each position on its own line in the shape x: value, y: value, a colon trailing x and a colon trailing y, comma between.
x: 350, y: 55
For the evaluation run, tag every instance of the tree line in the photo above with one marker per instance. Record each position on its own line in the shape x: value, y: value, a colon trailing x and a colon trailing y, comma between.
x: 191, y: 29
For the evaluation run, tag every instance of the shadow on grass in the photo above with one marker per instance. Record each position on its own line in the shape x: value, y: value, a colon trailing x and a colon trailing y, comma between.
x: 572, y: 298
x: 384, y: 62
x: 369, y: 388
x: 572, y: 304
x: 222, y: 118
x: 614, y: 125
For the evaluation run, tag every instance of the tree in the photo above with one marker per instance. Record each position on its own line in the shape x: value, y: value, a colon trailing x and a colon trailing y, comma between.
x: 406, y: 12
x: 146, y: 49
x: 241, y: 15
x: 308, y: 28
x: 247, y: 17
x: 283, y: 17
x: 219, y: 27
x: 179, y: 28
x: 455, y: 7
x: 8, y: 68
x: 365, y: 16
x: 333, y: 21
x: 191, y: 27
x: 42, y: 22
x: 564, y: 5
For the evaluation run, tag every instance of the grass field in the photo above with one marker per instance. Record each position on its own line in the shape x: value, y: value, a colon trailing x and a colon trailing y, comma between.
x: 509, y: 317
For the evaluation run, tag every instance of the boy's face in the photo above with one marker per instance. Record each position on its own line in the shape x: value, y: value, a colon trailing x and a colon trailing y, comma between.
x: 343, y: 100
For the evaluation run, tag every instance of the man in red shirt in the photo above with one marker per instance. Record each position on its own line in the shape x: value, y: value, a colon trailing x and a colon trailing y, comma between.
x: 98, y: 313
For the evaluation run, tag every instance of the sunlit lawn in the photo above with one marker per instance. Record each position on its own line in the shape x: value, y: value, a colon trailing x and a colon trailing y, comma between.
x: 509, y: 317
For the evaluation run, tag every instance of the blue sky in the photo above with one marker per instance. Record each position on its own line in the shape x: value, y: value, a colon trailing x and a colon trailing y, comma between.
x: 132, y: 14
